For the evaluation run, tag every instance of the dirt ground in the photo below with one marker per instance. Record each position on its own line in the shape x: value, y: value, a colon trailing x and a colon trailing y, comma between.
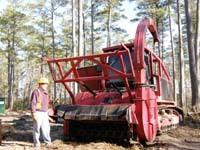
x: 17, y: 135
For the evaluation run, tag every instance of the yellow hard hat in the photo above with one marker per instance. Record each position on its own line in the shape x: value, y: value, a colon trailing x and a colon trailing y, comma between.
x: 43, y: 81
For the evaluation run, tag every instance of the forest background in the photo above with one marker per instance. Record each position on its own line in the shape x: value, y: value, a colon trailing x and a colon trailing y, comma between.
x: 32, y: 30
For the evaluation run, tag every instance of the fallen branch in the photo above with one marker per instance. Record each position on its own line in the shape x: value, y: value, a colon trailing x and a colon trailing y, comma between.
x: 17, y: 143
x: 193, y: 113
x: 192, y: 141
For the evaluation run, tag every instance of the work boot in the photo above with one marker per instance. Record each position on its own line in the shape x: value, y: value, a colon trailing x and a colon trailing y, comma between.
x: 50, y: 145
x: 36, y: 146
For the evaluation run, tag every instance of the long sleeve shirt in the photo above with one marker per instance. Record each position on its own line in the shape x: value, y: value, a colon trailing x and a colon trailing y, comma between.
x: 39, y: 100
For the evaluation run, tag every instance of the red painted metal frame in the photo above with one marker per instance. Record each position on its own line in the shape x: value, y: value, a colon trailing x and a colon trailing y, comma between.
x: 100, y: 60
x: 161, y: 65
x: 153, y: 57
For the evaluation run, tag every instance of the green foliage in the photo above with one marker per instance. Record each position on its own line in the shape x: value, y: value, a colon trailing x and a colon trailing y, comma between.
x: 20, y: 105
x: 152, y: 8
x: 3, y: 75
x: 117, y: 33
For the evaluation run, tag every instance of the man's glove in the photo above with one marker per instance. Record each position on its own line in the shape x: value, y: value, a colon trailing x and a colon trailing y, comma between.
x: 34, y: 117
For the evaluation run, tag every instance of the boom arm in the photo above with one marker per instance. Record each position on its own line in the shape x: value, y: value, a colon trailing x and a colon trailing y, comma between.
x: 139, y: 42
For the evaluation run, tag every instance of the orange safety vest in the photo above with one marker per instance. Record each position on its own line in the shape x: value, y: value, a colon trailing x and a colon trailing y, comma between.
x: 39, y: 100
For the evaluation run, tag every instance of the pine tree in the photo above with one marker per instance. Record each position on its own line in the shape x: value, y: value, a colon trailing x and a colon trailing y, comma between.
x: 191, y: 51
x: 11, y: 26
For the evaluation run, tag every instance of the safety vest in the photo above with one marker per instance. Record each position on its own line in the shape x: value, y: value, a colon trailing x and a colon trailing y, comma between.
x: 39, y: 100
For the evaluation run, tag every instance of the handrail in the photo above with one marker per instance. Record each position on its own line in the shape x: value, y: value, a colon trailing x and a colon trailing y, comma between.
x: 63, y: 76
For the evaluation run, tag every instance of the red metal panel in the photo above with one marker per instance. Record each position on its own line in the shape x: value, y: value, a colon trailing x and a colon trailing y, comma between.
x: 87, y: 72
x: 146, y: 113
x: 102, y: 98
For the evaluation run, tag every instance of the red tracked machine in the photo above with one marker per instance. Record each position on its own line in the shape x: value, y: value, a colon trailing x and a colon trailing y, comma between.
x: 125, y: 93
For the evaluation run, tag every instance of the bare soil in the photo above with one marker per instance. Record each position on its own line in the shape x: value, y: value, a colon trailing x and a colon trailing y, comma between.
x: 17, y: 135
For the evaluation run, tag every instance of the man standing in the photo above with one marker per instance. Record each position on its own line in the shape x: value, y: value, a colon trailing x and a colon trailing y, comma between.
x: 39, y: 107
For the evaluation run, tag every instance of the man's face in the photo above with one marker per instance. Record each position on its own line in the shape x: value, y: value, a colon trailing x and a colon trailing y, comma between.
x: 43, y: 86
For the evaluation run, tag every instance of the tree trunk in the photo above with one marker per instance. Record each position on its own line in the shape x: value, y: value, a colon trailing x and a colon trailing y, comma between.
x: 53, y: 40
x: 11, y: 64
x: 12, y: 86
x: 197, y: 48
x: 80, y: 32
x: 162, y: 50
x: 92, y: 26
x: 193, y: 74
x: 80, y: 28
x: 29, y: 92
x: 15, y: 92
x: 24, y: 96
x: 197, y: 32
x: 43, y: 47
x: 158, y: 47
x: 181, y: 62
x: 75, y: 51
x: 109, y: 24
x: 10, y: 98
x: 173, y: 55
x: 84, y: 36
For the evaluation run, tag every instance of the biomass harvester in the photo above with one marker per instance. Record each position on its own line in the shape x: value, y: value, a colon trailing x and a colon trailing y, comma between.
x: 125, y: 92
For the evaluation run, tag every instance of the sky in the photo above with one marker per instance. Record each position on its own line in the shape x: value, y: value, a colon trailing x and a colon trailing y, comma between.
x: 125, y: 24
x: 130, y: 13
x: 3, y: 4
